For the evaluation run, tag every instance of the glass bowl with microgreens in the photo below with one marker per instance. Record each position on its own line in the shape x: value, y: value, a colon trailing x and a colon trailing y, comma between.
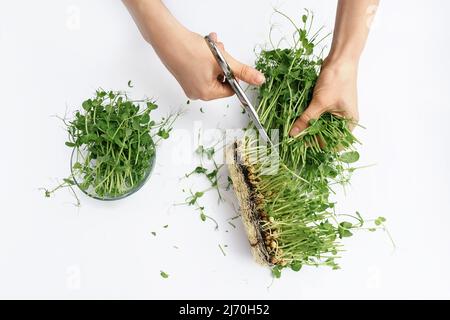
x: 114, y: 141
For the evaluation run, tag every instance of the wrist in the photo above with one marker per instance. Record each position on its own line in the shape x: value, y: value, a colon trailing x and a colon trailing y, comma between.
x: 341, y: 60
x: 341, y: 68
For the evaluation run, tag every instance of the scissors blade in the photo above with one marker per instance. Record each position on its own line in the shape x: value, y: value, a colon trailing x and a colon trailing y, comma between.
x: 250, y: 110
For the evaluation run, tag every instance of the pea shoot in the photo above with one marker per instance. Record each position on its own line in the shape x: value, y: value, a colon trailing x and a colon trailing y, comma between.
x: 289, y: 216
x: 113, y: 139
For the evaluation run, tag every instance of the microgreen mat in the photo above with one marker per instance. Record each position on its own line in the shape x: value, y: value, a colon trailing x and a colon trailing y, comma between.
x: 297, y: 218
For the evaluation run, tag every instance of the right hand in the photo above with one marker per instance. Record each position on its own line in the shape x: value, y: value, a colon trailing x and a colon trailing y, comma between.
x: 196, y: 70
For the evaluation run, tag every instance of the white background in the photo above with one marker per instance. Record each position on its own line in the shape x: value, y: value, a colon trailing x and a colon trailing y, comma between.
x: 50, y: 249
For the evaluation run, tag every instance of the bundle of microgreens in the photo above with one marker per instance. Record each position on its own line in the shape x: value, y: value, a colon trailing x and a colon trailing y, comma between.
x: 113, y: 139
x: 289, y: 216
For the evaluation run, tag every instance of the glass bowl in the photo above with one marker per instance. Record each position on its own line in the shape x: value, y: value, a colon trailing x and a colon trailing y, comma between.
x: 79, y: 153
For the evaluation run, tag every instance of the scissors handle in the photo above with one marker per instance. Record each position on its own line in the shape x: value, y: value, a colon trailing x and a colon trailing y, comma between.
x: 234, y: 84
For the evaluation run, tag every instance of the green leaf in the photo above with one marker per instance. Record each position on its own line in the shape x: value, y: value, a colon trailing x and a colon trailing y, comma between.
x: 70, y: 182
x: 77, y: 166
x: 129, y: 84
x: 346, y: 225
x: 163, y: 133
x: 136, y: 124
x: 304, y: 18
x: 209, y: 153
x: 151, y: 106
x: 276, y: 272
x: 145, y: 118
x: 70, y: 144
x: 164, y: 275
x: 203, y: 216
x: 349, y: 157
x: 87, y: 104
x: 379, y: 221
x: 120, y: 142
x: 343, y: 230
x: 200, y: 170
x: 296, y: 266
x: 199, y: 194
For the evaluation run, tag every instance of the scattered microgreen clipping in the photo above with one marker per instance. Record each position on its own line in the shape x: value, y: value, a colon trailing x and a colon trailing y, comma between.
x: 209, y: 170
x: 113, y: 139
x: 163, y: 274
x: 193, y: 200
x: 223, y: 251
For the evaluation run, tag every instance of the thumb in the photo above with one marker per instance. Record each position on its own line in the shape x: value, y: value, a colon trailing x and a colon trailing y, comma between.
x: 244, y: 72
x: 314, y: 111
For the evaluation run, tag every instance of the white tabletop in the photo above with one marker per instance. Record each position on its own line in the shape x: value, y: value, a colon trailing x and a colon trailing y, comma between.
x: 54, y: 54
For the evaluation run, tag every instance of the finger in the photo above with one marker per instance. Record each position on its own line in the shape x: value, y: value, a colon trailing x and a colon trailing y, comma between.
x: 240, y: 70
x: 221, y: 46
x: 314, y: 111
x: 245, y: 72
x: 213, y: 36
x: 218, y: 90
x: 223, y: 90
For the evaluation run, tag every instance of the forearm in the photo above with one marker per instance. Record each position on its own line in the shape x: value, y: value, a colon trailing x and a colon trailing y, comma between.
x: 351, y: 30
x: 157, y: 25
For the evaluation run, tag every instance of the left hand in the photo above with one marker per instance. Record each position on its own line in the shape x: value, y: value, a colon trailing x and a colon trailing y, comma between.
x: 335, y: 92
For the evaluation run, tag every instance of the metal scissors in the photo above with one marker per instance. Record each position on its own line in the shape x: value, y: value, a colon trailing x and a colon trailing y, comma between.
x: 234, y: 84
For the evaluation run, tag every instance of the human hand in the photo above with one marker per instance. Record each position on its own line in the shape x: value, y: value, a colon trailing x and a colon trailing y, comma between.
x: 197, y: 71
x: 335, y: 92
x: 186, y: 54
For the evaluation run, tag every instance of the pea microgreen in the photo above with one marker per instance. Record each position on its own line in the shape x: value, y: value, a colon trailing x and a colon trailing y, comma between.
x: 193, y: 200
x: 113, y: 139
x: 297, y: 216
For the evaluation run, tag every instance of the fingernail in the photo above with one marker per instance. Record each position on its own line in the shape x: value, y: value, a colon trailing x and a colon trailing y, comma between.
x: 294, y: 131
x: 260, y: 78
